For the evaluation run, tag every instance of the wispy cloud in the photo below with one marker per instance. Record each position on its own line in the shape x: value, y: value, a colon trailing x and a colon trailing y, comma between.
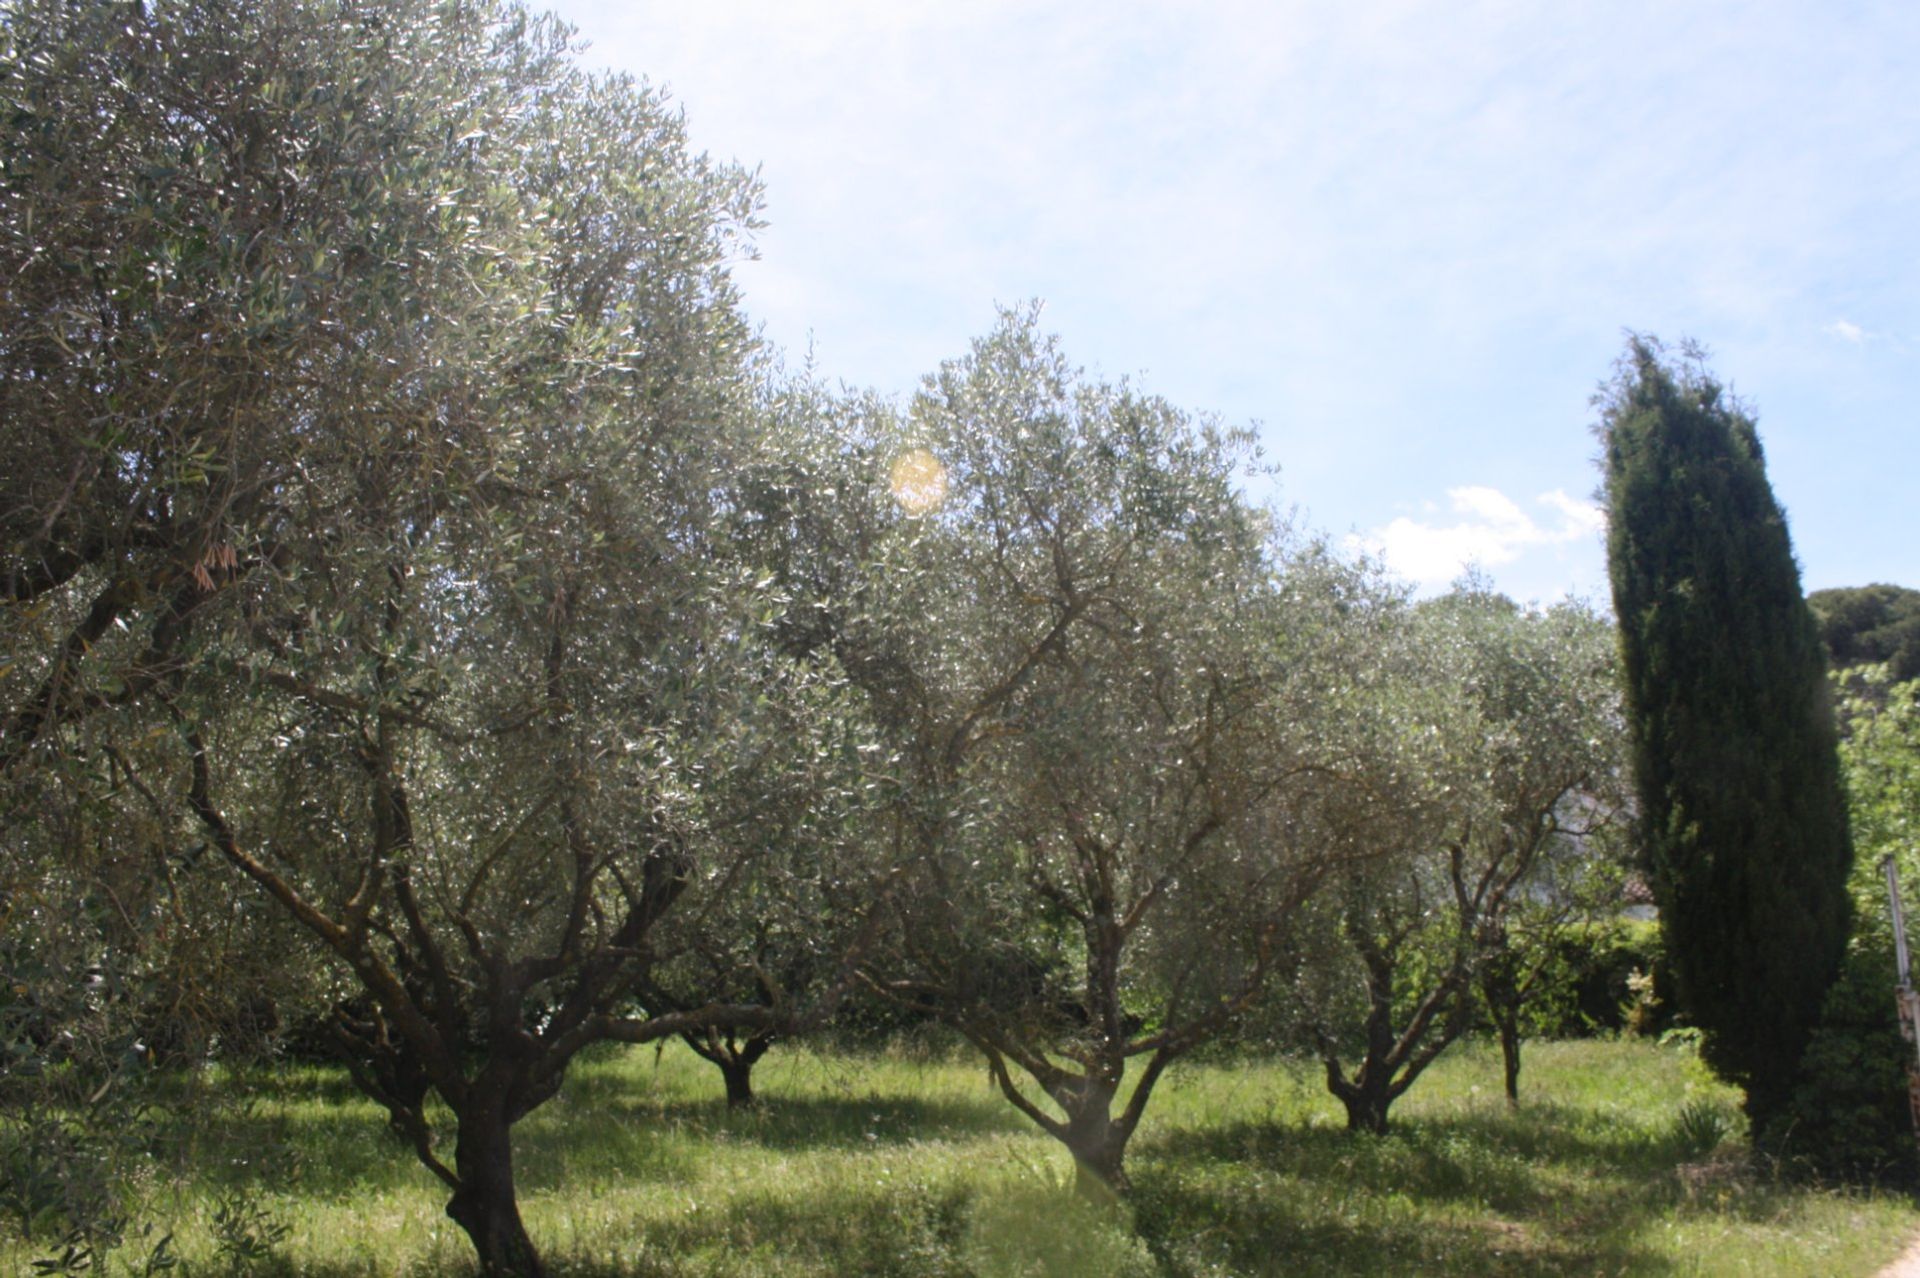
x: 1847, y: 331
x: 1487, y: 529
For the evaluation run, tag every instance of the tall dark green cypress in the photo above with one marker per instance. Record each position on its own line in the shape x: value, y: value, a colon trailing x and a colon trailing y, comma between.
x: 1742, y: 814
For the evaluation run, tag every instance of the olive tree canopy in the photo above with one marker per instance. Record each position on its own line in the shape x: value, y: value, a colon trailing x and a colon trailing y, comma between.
x: 371, y: 383
x: 1113, y: 690
x: 1500, y: 770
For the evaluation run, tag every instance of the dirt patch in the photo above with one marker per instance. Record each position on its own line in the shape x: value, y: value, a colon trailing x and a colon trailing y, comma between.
x: 1907, y: 1266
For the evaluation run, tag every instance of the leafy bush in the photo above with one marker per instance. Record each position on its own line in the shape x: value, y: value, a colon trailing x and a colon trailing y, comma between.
x: 1597, y: 983
x: 1849, y: 1119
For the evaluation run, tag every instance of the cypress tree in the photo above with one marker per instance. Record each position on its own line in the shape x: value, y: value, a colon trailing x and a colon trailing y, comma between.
x: 1742, y: 815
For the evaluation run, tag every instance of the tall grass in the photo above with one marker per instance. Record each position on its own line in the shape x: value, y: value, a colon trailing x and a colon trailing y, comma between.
x: 1624, y: 1159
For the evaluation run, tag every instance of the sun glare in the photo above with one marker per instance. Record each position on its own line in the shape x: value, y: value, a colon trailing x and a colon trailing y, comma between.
x: 918, y: 480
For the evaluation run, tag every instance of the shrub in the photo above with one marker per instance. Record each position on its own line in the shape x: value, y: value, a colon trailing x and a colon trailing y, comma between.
x: 1849, y: 1118
x: 1596, y: 984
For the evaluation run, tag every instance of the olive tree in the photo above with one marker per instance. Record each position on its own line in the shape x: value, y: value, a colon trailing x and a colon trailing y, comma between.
x: 1515, y: 782
x: 1156, y: 819
x: 794, y: 792
x: 375, y: 380
x: 1103, y: 674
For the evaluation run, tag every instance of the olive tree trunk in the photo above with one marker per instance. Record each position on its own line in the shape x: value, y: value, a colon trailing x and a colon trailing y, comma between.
x: 484, y: 1203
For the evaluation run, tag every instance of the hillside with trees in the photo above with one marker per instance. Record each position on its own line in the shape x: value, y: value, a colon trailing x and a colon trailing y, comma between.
x: 1870, y: 625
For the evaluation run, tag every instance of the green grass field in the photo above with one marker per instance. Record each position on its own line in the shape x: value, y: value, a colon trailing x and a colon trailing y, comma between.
x: 903, y: 1164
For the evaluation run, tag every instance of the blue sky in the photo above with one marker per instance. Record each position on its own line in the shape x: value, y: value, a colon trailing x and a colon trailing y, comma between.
x: 1403, y: 238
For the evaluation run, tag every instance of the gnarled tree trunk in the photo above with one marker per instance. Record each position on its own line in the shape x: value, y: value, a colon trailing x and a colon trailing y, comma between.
x: 1394, y: 1057
x: 738, y: 1076
x: 736, y: 1061
x: 1098, y: 1143
x: 484, y: 1203
x: 1367, y: 1105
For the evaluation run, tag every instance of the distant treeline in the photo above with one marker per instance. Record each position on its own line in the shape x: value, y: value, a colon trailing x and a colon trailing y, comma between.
x: 1870, y: 625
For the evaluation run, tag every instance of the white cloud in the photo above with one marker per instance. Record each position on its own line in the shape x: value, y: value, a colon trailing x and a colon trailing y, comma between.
x: 1847, y: 331
x: 1583, y: 518
x: 1490, y: 529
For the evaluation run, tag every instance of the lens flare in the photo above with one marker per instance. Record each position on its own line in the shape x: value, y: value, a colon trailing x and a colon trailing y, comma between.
x: 918, y: 480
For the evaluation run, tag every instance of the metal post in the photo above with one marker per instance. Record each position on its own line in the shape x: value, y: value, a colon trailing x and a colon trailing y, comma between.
x: 1904, y: 995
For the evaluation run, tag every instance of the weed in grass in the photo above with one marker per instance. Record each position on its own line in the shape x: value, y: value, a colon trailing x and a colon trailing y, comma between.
x: 1700, y: 1127
x: 245, y: 1232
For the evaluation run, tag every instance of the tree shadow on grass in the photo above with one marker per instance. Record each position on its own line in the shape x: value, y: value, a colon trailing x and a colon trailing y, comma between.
x: 318, y: 1151
x: 903, y: 1230
x: 1441, y: 1145
x: 1194, y: 1225
x: 299, y: 1084
x: 1307, y: 1227
x: 603, y: 1133
x: 1552, y: 1194
x: 815, y: 1122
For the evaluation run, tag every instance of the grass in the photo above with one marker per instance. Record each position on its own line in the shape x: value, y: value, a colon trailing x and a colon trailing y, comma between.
x: 1624, y: 1159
